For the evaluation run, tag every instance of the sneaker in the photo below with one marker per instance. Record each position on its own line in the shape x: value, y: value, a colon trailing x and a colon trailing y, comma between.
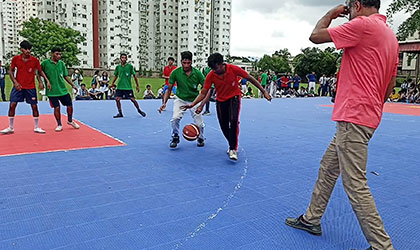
x: 59, y: 128
x: 142, y: 113
x: 206, y: 113
x: 7, y: 131
x: 73, y: 124
x: 233, y: 155
x: 39, y: 131
x: 200, y: 142
x: 118, y: 115
x: 175, y: 141
x: 227, y: 152
x: 301, y: 224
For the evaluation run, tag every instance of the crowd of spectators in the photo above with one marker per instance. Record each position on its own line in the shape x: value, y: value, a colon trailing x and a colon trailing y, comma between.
x: 409, y: 93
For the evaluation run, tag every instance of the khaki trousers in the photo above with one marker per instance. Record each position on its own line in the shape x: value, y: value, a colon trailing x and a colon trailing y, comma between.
x: 347, y: 155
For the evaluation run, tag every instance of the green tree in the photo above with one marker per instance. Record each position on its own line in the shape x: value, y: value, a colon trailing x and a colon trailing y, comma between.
x: 276, y: 63
x: 316, y: 60
x: 44, y: 35
x: 412, y: 24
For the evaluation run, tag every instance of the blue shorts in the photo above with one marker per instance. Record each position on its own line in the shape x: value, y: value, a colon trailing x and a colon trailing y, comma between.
x: 166, y: 88
x: 29, y: 95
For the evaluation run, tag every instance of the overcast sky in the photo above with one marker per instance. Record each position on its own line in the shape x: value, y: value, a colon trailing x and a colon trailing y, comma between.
x: 263, y: 26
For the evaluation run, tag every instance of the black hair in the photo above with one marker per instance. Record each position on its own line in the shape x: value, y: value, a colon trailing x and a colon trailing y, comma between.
x: 186, y: 55
x: 171, y: 59
x: 214, y: 60
x: 56, y: 49
x: 123, y: 54
x: 367, y: 3
x: 82, y: 85
x: 147, y: 86
x: 96, y: 72
x: 25, y: 45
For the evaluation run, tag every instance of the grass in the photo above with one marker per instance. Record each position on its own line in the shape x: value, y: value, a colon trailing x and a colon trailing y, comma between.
x: 155, y: 83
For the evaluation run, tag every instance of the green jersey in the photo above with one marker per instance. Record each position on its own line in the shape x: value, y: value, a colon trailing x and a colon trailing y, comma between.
x: 187, y: 86
x: 55, y: 73
x: 124, y: 74
x: 264, y: 77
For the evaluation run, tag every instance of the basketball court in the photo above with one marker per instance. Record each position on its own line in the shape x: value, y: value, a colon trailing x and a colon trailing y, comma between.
x: 115, y: 184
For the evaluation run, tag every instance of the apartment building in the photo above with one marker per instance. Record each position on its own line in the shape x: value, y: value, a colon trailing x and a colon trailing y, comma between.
x: 149, y: 31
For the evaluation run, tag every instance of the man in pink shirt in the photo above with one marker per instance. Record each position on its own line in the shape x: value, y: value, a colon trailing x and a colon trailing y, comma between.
x: 367, y: 77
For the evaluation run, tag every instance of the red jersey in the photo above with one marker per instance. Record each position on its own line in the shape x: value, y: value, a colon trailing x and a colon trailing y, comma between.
x: 25, y: 74
x: 284, y: 81
x: 167, y: 72
x: 227, y: 85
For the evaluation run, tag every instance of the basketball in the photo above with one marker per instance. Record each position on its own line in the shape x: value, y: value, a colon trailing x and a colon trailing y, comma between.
x: 191, y: 132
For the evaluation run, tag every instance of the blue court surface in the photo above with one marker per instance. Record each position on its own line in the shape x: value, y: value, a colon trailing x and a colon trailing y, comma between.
x: 146, y: 196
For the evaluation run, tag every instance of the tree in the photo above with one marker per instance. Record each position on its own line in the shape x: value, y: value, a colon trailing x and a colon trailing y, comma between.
x: 412, y: 24
x: 45, y: 35
x: 316, y: 60
x: 276, y: 63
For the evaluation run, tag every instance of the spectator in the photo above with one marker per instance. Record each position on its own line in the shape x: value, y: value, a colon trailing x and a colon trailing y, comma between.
x: 264, y: 78
x: 249, y: 94
x: 160, y: 92
x: 244, y: 81
x: 95, y: 78
x: 104, y: 84
x: 2, y: 82
x: 95, y: 93
x: 296, y: 82
x: 323, y: 88
x: 332, y: 85
x: 111, y: 92
x: 394, y: 97
x: 302, y: 92
x: 77, y: 80
x: 148, y: 93
x: 290, y: 82
x: 412, y: 95
x: 403, y: 95
x: 311, y: 92
x: 404, y: 85
x: 284, y: 83
x: 83, y: 93
x: 312, y: 81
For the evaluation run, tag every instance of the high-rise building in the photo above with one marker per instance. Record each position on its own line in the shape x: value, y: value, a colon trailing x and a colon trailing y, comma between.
x: 10, y: 34
x: 77, y: 14
x: 149, y: 31
x: 173, y: 26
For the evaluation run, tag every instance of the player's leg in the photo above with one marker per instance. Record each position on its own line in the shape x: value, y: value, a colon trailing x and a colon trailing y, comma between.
x: 31, y: 98
x: 198, y: 120
x: 66, y: 101
x: 177, y: 115
x: 235, y: 108
x: 136, y: 104
x: 55, y: 104
x: 118, y: 95
x: 223, y: 118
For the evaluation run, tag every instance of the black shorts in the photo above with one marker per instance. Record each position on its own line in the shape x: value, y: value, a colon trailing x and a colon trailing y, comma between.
x: 124, y: 94
x: 64, y: 99
x: 28, y: 95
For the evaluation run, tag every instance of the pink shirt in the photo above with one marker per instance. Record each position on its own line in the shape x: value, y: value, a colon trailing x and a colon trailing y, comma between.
x: 369, y: 62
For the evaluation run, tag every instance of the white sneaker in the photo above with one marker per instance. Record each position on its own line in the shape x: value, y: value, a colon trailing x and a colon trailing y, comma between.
x: 74, y: 124
x: 233, y: 155
x: 59, y: 128
x: 7, y: 131
x: 39, y: 131
x: 228, y: 151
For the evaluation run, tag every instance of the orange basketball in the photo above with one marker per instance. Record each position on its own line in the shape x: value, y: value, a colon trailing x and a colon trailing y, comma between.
x: 191, y: 132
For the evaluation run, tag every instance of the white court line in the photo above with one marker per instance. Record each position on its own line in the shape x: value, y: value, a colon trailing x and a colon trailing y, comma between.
x: 238, y: 186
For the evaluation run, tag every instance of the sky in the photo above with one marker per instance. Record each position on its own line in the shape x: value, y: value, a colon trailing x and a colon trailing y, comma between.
x: 263, y: 26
